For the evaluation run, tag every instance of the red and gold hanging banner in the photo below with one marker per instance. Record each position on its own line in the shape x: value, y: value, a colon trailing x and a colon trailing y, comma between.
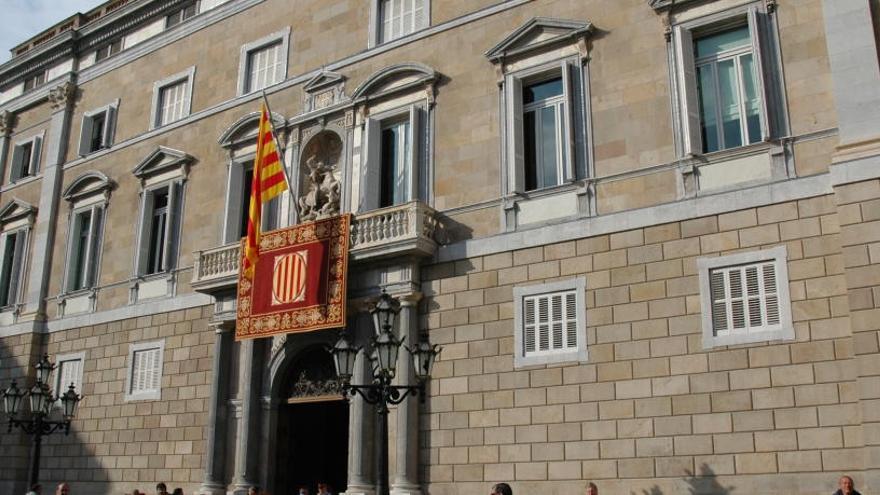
x: 299, y: 282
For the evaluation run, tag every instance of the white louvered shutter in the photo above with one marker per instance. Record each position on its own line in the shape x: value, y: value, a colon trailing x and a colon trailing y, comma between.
x: 69, y: 374
x: 744, y: 298
x: 549, y: 322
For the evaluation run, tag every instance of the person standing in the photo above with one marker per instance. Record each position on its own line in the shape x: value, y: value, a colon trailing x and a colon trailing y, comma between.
x: 63, y: 489
x: 846, y: 486
x: 592, y: 489
x: 161, y: 489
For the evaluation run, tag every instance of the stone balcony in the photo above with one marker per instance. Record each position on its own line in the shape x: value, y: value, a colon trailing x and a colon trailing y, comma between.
x: 402, y: 230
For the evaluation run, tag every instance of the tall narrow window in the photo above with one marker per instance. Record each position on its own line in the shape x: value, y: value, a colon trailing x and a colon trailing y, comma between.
x: 97, y: 129
x: 158, y: 231
x: 265, y: 67
x: 728, y: 87
x: 35, y: 81
x: 396, y: 155
x: 109, y: 49
x: 402, y: 17
x: 13, y: 244
x: 25, y: 158
x: 84, y: 248
x: 543, y: 133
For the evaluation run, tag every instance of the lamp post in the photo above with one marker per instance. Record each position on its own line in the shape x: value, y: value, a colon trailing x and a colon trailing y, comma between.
x: 383, y: 357
x: 41, y: 400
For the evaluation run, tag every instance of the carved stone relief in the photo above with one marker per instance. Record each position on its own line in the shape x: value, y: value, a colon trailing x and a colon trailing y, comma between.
x: 320, y: 190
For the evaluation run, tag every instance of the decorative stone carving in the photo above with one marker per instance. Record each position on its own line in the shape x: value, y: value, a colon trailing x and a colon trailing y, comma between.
x: 7, y: 123
x: 325, y: 89
x: 320, y: 178
x: 61, y: 96
x: 304, y: 387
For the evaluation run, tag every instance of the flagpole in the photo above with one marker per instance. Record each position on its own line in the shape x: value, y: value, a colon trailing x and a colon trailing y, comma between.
x: 282, y: 151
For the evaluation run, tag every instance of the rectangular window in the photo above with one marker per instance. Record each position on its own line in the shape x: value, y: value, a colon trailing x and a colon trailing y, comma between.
x: 97, y: 130
x: 238, y: 200
x: 181, y: 15
x: 25, y: 159
x: 550, y: 323
x: 69, y: 372
x: 160, y: 229
x: 395, y: 154
x: 35, y: 81
x: 109, y: 49
x: 84, y: 251
x: 546, y: 126
x: 13, y: 250
x: 402, y: 17
x: 145, y: 371
x: 173, y: 104
x: 745, y: 298
x: 722, y: 75
x: 265, y: 67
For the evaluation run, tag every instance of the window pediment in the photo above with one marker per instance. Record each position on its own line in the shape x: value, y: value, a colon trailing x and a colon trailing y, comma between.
x: 17, y: 210
x: 323, y: 80
x: 663, y: 5
x: 395, y: 79
x: 88, y: 184
x: 538, y: 34
x: 163, y: 160
x: 244, y: 130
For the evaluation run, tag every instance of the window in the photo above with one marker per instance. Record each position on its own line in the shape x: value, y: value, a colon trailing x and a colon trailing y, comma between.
x: 109, y: 49
x: 144, y: 381
x: 181, y: 15
x: 546, y: 125
x: 263, y: 62
x: 550, y: 323
x: 97, y: 129
x: 395, y: 153
x: 69, y: 372
x: 13, y: 246
x: 726, y: 92
x: 160, y: 229
x: 745, y: 298
x: 34, y: 81
x: 172, y: 98
x: 84, y: 247
x: 25, y: 158
x: 402, y: 17
x: 239, y: 198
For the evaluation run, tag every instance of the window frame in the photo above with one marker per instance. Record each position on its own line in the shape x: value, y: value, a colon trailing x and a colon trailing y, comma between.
x: 766, y: 58
x: 94, y: 248
x: 34, y: 81
x: 417, y: 116
x: 156, y: 115
x: 282, y: 37
x: 176, y: 191
x: 376, y: 37
x: 108, y: 132
x: 785, y: 331
x: 145, y: 395
x: 112, y: 48
x: 17, y: 265
x: 61, y: 388
x: 580, y: 353
x: 33, y: 166
x: 175, y: 18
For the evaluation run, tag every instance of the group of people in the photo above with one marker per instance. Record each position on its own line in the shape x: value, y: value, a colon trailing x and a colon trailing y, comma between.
x: 845, y: 485
x: 161, y: 489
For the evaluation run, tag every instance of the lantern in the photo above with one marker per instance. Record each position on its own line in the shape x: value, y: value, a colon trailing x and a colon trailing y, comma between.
x: 44, y: 368
x: 344, y: 355
x: 12, y: 397
x: 423, y: 356
x: 384, y: 313
x: 69, y: 402
x: 387, y: 348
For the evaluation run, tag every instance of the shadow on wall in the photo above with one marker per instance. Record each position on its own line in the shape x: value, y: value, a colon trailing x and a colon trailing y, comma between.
x: 705, y: 483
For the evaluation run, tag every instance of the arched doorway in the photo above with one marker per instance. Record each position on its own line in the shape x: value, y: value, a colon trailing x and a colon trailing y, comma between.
x: 312, y: 441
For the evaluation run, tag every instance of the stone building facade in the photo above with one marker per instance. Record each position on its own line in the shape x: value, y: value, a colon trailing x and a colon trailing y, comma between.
x: 645, y: 233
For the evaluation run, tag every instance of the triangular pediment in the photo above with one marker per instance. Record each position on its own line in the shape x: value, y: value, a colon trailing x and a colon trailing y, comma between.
x: 162, y: 160
x: 16, y: 209
x: 88, y: 184
x: 323, y: 80
x: 537, y: 33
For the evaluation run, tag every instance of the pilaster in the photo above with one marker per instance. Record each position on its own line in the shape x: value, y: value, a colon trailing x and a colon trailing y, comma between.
x: 406, y: 480
x: 247, y: 452
x: 215, y: 450
x: 362, y: 420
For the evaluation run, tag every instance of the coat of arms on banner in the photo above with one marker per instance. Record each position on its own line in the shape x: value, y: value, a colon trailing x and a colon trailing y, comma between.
x: 299, y: 283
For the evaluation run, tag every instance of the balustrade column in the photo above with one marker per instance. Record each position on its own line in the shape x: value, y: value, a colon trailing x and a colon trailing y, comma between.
x: 406, y: 479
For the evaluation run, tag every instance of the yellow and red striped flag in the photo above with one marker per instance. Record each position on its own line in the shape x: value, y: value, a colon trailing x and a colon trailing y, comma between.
x: 269, y: 182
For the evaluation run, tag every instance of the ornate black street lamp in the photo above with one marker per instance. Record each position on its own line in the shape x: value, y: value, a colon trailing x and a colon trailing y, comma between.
x: 383, y: 357
x: 41, y: 400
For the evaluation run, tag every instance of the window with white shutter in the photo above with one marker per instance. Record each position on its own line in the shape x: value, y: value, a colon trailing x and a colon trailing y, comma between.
x: 263, y: 62
x: 69, y: 371
x: 145, y: 371
x: 550, y: 323
x: 172, y: 98
x: 745, y: 298
x: 401, y: 17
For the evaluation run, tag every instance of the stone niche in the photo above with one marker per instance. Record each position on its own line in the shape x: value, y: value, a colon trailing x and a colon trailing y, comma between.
x: 319, y: 177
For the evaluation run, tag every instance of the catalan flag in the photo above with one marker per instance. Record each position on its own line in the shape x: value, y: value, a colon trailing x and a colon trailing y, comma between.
x: 269, y: 181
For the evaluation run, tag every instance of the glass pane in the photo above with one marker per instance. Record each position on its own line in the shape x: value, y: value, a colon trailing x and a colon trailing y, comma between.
x: 83, y: 220
x: 708, y: 108
x: 752, y: 98
x: 401, y: 172
x: 548, y: 147
x: 720, y: 42
x: 542, y: 90
x: 530, y: 150
x: 730, y: 115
